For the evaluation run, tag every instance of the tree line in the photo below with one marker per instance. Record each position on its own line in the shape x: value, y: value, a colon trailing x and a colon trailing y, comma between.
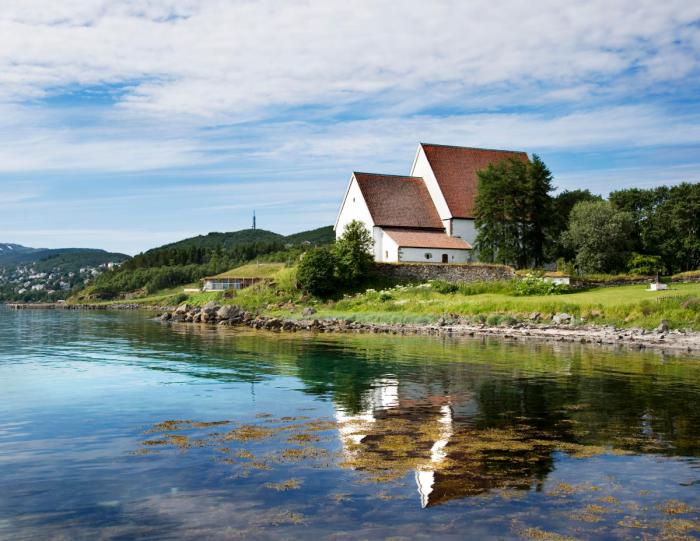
x: 643, y: 231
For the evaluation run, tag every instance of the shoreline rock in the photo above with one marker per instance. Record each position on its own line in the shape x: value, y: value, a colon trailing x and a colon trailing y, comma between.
x: 559, y: 330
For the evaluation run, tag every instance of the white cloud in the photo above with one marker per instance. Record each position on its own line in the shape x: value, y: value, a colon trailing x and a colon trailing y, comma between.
x: 226, y: 58
x: 270, y: 105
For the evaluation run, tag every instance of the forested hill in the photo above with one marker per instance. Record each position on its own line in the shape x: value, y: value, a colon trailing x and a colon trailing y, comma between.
x: 45, y: 259
x: 322, y: 235
x: 224, y: 240
x: 188, y: 260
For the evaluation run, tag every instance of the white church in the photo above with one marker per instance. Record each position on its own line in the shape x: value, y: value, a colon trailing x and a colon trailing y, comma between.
x: 425, y: 217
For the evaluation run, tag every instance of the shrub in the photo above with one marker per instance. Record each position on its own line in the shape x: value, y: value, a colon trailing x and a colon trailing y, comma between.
x: 646, y: 265
x: 316, y: 272
x: 353, y: 252
x: 535, y: 285
x: 508, y: 321
x: 494, y: 319
x: 445, y: 287
x: 180, y: 298
x: 566, y: 267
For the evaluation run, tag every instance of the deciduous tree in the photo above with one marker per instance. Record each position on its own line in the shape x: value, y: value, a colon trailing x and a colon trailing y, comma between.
x: 600, y: 235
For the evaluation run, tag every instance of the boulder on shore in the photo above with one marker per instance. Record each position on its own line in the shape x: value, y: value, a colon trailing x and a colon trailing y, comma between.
x: 227, y: 312
x: 663, y: 326
x: 210, y: 308
x: 562, y: 317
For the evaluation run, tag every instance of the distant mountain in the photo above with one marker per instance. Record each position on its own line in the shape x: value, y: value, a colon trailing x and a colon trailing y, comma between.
x: 12, y: 255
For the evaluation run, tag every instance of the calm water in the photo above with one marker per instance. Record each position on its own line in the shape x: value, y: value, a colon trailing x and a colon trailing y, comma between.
x: 113, y: 426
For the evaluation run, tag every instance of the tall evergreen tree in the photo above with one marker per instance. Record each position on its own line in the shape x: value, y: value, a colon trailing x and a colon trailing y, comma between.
x: 513, y: 212
x: 538, y: 212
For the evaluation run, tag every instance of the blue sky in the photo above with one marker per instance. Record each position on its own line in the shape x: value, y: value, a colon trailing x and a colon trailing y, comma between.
x: 125, y: 125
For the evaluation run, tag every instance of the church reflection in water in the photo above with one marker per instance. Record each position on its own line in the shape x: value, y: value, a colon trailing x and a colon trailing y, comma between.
x: 412, y: 429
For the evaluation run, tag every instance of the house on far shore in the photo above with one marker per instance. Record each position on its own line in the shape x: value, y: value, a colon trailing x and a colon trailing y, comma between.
x: 425, y: 217
x: 242, y: 277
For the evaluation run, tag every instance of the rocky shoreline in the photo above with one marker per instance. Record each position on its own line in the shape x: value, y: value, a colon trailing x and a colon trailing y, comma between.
x: 562, y: 328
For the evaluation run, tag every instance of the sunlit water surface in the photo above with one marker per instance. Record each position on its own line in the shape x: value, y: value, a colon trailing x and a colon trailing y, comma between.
x: 114, y: 426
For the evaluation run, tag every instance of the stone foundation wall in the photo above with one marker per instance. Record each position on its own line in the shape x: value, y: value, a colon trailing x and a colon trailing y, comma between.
x: 421, y: 272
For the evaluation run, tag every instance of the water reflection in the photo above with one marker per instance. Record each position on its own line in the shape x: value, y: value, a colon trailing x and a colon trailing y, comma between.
x: 111, y: 421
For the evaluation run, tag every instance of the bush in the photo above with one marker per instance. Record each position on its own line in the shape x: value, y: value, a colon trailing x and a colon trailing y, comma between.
x: 444, y: 287
x: 534, y: 285
x: 180, y: 298
x: 353, y: 252
x: 646, y: 265
x: 508, y: 321
x: 566, y: 267
x: 316, y: 272
x: 494, y: 319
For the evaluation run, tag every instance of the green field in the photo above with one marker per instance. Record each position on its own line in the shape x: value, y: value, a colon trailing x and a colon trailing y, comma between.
x: 493, y: 302
x: 622, y: 305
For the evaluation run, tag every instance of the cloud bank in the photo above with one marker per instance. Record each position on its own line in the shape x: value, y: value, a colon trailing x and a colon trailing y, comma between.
x: 183, y: 93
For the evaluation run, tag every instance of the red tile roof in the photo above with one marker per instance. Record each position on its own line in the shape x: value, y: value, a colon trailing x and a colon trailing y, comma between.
x: 456, y: 168
x: 426, y: 239
x: 398, y: 201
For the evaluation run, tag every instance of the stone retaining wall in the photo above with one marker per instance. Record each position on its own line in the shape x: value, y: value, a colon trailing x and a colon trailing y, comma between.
x: 421, y: 272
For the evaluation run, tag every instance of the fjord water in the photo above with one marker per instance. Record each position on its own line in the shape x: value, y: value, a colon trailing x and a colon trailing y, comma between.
x: 114, y: 426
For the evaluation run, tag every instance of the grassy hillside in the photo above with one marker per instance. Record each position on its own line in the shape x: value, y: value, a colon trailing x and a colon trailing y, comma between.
x: 253, y: 270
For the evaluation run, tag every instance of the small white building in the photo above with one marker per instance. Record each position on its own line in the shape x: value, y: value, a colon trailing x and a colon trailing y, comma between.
x: 428, y: 216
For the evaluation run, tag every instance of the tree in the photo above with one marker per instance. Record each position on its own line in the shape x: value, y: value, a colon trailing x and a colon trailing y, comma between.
x: 513, y: 212
x: 353, y: 251
x: 316, y: 273
x: 562, y: 204
x: 600, y: 235
x: 667, y: 222
x: 538, y: 212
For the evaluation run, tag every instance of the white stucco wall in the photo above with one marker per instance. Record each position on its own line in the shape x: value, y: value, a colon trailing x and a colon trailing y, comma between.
x: 353, y: 208
x: 464, y: 229
x: 387, y: 251
x: 421, y: 168
x: 418, y: 255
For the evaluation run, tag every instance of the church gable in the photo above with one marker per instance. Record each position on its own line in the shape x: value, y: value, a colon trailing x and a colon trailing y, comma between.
x: 455, y: 170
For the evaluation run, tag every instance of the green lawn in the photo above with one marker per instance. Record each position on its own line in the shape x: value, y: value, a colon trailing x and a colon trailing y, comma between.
x: 621, y: 305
